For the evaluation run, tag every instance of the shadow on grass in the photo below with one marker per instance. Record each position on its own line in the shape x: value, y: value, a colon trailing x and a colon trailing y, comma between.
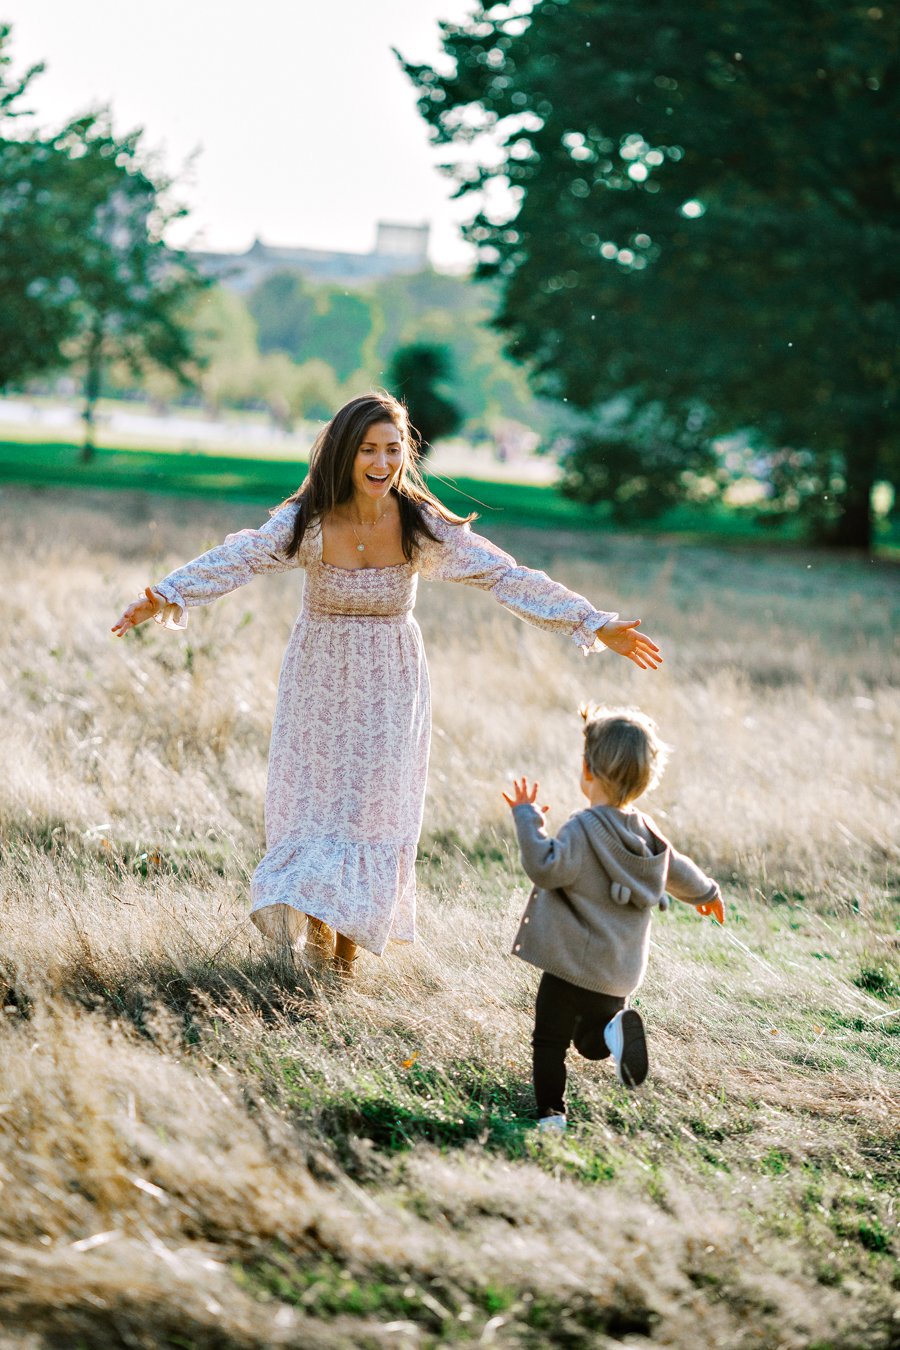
x: 279, y: 988
x: 447, y: 1107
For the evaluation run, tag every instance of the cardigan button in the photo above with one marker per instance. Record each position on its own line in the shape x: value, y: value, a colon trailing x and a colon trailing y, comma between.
x: 518, y: 946
x: 525, y: 920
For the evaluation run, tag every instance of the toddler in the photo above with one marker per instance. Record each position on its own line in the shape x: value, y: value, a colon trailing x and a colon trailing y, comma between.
x: 587, y: 921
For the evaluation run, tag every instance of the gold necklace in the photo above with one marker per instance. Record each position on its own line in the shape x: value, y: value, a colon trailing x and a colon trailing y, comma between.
x: 360, y: 546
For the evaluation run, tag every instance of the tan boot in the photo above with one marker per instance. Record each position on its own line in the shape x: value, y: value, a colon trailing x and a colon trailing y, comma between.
x: 319, y: 943
x: 345, y: 954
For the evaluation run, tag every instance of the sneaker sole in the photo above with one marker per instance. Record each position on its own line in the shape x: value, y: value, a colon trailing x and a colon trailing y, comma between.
x: 633, y: 1065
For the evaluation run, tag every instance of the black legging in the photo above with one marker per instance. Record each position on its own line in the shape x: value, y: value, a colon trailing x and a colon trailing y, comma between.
x: 564, y: 1013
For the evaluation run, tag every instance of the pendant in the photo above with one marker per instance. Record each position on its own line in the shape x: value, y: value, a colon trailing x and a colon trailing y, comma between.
x: 360, y: 548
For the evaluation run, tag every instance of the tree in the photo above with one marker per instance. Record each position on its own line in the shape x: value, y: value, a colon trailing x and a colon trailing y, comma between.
x: 706, y: 223
x: 318, y: 391
x: 315, y: 323
x: 224, y: 339
x: 38, y: 245
x: 86, y: 275
x: 454, y: 312
x: 132, y: 292
x: 343, y: 331
x: 291, y: 391
x: 420, y: 374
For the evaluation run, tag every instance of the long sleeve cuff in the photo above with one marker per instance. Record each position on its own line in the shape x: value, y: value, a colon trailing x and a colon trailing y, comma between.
x: 174, y: 615
x: 585, y: 635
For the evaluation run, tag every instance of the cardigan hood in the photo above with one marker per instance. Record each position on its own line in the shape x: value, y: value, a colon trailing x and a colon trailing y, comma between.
x: 636, y: 866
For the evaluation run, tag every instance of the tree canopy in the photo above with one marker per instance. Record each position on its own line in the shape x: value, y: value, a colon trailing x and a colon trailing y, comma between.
x: 705, y: 231
x: 38, y: 244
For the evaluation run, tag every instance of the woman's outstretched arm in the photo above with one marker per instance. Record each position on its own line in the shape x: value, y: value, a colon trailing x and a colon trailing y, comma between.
x: 231, y: 564
x: 460, y: 555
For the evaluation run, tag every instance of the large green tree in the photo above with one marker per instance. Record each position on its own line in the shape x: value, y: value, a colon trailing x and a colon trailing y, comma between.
x: 706, y: 229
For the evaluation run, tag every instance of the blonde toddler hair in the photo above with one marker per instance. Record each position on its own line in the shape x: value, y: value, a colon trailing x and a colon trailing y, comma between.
x: 623, y: 750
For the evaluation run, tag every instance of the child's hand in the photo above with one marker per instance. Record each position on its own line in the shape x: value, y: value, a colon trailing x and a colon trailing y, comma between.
x: 715, y: 908
x: 521, y: 794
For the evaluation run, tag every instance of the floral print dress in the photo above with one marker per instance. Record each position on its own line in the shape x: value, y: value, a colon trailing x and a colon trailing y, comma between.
x: 349, y: 752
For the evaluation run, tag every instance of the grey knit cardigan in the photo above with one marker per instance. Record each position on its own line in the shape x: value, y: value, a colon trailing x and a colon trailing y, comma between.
x: 596, y: 884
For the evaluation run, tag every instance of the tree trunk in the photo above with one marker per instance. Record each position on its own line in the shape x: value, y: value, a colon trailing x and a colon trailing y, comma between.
x: 92, y: 391
x: 855, y: 526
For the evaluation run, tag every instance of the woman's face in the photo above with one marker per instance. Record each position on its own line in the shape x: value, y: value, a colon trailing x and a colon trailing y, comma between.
x: 378, y: 462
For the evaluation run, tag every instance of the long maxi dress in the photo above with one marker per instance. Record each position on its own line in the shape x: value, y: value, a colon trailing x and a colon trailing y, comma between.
x: 349, y: 751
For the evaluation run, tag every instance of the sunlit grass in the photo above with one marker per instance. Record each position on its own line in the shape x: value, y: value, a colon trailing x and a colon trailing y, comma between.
x: 201, y: 1143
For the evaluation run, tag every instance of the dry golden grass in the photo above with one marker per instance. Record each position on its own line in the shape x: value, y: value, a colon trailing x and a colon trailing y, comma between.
x: 200, y: 1145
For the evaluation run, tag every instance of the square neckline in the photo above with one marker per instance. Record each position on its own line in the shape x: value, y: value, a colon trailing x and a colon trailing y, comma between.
x: 335, y: 567
x: 389, y: 567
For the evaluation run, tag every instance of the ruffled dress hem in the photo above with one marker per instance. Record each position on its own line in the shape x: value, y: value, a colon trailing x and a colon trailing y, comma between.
x: 315, y: 878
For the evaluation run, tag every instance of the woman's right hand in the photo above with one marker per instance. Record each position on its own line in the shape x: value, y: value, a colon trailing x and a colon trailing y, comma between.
x: 139, y: 612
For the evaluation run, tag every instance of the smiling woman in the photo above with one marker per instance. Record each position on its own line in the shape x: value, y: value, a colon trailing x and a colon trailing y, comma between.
x: 349, y: 753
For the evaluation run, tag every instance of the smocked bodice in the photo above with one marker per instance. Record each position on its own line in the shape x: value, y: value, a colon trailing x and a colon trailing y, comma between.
x: 376, y: 592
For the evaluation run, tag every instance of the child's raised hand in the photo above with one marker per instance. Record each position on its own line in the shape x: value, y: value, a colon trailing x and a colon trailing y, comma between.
x: 522, y: 794
x: 715, y: 908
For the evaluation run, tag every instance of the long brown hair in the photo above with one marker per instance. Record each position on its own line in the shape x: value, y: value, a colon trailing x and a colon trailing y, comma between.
x: 329, y: 481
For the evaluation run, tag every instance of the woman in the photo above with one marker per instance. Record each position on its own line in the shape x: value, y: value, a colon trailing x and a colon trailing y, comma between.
x: 350, y: 740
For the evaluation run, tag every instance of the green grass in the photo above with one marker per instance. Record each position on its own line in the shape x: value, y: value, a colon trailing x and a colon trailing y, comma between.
x: 259, y: 479
x: 440, y: 1307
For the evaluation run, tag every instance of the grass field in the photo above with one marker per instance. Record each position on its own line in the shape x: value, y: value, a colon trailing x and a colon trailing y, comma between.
x: 266, y: 480
x: 201, y: 1145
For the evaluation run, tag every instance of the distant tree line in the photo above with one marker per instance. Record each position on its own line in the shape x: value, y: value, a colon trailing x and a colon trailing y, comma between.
x: 89, y: 285
x: 297, y: 349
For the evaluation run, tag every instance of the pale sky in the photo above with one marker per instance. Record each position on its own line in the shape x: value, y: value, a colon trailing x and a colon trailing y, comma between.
x: 304, y: 126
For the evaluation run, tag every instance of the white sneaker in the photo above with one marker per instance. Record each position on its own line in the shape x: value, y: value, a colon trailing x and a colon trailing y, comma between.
x: 627, y: 1044
x: 554, y: 1124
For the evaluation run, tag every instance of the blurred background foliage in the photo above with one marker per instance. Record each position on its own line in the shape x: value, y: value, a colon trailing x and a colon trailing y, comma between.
x: 705, y: 239
x: 686, y: 283
x: 88, y: 286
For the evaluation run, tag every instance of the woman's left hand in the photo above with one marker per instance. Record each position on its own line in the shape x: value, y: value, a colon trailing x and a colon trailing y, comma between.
x: 621, y: 636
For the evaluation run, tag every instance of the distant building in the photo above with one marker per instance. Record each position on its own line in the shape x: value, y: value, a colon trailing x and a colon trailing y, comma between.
x: 400, y: 250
